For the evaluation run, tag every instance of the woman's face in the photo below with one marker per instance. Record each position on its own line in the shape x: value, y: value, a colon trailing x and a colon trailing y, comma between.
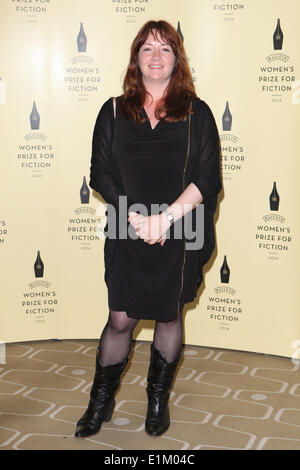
x: 156, y: 60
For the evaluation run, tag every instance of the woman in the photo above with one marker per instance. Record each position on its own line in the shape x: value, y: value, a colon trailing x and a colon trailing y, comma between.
x: 158, y: 146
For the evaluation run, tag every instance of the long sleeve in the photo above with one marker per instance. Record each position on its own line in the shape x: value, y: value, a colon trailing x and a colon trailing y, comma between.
x: 206, y: 175
x: 104, y: 174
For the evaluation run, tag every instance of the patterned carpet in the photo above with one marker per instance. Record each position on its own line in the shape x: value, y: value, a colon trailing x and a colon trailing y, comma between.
x: 221, y: 399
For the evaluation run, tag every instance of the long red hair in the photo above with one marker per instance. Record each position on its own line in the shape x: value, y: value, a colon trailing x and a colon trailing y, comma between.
x: 180, y: 90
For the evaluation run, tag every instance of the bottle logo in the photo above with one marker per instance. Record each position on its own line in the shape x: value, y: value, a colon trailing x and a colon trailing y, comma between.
x: 38, y: 266
x: 81, y: 40
x: 277, y: 77
x: 34, y: 118
x: 180, y: 32
x: 225, y: 272
x: 274, y: 235
x: 87, y: 226
x: 224, y: 305
x: 84, y: 192
x: 274, y: 198
x: 227, y: 118
x: 79, y: 80
x: 32, y: 156
x: 233, y: 154
x: 278, y: 37
x: 38, y: 301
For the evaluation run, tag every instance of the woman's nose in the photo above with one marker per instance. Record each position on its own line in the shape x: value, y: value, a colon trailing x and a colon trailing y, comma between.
x: 156, y: 54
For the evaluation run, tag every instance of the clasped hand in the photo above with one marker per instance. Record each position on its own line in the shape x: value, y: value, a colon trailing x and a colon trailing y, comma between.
x: 152, y: 229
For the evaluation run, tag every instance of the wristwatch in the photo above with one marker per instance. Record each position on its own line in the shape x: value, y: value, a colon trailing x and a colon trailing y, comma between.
x: 169, y: 216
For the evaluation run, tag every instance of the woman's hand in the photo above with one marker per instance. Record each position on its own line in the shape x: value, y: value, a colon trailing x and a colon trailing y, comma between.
x: 151, y: 229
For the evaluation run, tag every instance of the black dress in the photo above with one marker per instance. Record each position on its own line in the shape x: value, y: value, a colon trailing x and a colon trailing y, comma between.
x: 150, y: 167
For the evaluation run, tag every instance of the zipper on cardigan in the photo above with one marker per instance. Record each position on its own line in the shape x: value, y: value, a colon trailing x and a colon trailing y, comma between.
x: 185, y: 165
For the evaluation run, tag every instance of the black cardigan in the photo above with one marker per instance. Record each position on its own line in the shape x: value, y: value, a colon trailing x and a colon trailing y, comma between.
x: 203, y: 169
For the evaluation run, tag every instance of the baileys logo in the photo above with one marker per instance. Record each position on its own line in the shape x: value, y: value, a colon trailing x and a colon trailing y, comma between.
x: 274, y: 235
x: 233, y: 154
x: 81, y: 46
x: 224, y: 306
x: 278, y: 37
x: 227, y: 125
x: 34, y: 117
x: 277, y: 45
x: 38, y: 266
x: 88, y: 224
x: 35, y: 121
x: 225, y: 272
x: 81, y: 40
x: 82, y: 78
x: 227, y: 118
x: 274, y: 198
x: 38, y: 301
x: 84, y: 192
x: 33, y: 155
x: 277, y: 77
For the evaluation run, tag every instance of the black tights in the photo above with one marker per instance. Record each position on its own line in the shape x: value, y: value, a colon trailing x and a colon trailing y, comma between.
x: 116, y: 338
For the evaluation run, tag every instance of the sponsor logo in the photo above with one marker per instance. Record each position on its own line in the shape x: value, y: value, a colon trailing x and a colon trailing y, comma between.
x: 273, y: 234
x: 82, y: 75
x: 233, y: 154
x: 39, y: 300
x: 277, y: 77
x: 224, y: 306
x: 35, y: 154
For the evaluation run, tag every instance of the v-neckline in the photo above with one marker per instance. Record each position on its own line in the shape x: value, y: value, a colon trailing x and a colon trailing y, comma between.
x: 149, y: 122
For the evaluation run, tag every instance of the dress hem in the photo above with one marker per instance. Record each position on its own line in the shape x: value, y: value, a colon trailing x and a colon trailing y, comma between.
x: 145, y: 317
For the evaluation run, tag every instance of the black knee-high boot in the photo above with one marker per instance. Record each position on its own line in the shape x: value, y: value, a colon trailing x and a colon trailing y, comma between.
x: 102, y: 398
x: 160, y: 377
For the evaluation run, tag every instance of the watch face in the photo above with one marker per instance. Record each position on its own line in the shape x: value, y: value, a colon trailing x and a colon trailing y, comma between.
x: 169, y: 217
